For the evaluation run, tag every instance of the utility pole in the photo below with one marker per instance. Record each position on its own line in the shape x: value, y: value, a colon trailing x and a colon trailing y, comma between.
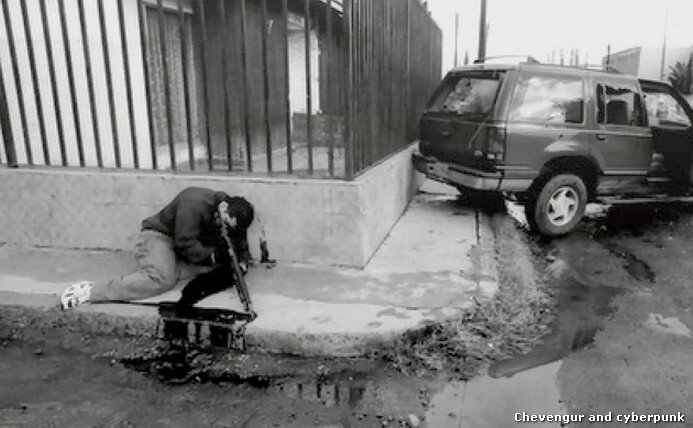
x: 457, y: 32
x: 664, y: 42
x: 482, y: 31
x: 466, y: 57
x: 608, y: 56
x: 562, y: 58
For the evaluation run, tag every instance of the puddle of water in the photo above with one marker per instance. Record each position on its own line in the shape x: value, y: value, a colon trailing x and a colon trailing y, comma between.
x: 347, y: 394
x: 580, y: 313
x: 635, y: 219
x: 635, y: 267
x: 486, y: 402
x: 527, y: 383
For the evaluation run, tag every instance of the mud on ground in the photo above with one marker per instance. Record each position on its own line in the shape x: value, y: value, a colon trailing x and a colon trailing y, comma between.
x: 54, y: 371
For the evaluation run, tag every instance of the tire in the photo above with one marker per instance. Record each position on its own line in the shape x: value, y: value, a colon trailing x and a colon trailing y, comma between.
x: 558, y: 205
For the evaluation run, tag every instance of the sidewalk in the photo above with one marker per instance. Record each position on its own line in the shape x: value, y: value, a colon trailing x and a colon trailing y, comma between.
x: 437, y: 258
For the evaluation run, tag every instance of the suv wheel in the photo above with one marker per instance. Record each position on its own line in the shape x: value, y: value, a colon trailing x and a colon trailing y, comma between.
x: 558, y: 206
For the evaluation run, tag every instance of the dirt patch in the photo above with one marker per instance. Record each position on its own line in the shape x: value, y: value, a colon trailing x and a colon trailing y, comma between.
x: 62, y: 373
x: 637, y: 268
x: 512, y: 322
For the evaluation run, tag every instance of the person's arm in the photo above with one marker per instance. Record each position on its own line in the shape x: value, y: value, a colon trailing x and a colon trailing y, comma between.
x: 239, y: 239
x: 186, y: 237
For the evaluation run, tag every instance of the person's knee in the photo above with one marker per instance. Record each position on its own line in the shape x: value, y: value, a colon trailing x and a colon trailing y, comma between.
x: 164, y: 279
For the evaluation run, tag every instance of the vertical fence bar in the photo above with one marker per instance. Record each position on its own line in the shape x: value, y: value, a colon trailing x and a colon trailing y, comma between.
x: 366, y: 84
x: 5, y: 125
x: 90, y: 83
x: 377, y: 130
x: 366, y: 45
x: 54, y: 85
x: 246, y: 86
x: 167, y: 83
x: 348, y: 82
x: 109, y: 82
x: 225, y: 81
x: 358, y: 89
x: 71, y: 82
x: 407, y: 73
x: 128, y: 84
x: 35, y: 83
x: 265, y: 82
x: 287, y: 100
x: 389, y: 72
x: 202, y: 19
x: 17, y: 81
x: 328, y: 86
x: 309, y: 107
x: 142, y: 16
x: 186, y: 84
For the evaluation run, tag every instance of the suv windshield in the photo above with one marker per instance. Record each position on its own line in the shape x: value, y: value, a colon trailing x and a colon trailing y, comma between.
x: 465, y: 94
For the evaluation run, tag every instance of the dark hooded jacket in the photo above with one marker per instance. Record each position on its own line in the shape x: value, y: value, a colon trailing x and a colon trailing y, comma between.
x: 189, y: 220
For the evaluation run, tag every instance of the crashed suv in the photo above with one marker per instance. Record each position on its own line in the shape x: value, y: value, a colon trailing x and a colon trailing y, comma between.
x: 555, y: 138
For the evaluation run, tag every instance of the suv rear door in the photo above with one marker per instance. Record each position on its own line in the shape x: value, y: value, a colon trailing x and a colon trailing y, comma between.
x: 622, y: 141
x: 546, y: 119
x: 455, y: 125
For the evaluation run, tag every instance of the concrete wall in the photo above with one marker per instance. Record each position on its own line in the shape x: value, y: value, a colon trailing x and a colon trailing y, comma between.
x: 387, y: 188
x: 311, y: 221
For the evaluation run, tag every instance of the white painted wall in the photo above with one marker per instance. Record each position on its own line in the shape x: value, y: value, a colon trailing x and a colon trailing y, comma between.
x: 297, y: 67
x: 98, y: 72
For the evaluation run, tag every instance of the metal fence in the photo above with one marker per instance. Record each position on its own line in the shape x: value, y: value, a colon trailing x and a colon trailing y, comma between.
x: 314, y: 88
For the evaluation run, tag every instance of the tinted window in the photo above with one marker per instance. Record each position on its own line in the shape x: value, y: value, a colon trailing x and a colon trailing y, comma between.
x: 664, y: 110
x: 468, y: 94
x: 547, y: 99
x: 619, y: 104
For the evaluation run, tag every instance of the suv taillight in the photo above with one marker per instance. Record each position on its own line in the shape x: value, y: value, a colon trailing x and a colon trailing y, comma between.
x: 496, y: 143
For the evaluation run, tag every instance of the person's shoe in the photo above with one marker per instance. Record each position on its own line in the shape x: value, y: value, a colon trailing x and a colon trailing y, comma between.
x: 75, y: 295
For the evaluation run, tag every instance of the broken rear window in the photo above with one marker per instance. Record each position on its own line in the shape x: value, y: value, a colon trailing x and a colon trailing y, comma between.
x: 468, y: 94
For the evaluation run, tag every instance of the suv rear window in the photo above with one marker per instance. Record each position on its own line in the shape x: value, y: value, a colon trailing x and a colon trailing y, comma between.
x: 547, y: 99
x: 467, y: 94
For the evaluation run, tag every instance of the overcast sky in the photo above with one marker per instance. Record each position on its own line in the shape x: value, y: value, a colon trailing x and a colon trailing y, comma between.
x: 538, y: 27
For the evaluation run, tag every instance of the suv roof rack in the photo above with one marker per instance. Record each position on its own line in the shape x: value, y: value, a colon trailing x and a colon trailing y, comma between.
x: 527, y: 58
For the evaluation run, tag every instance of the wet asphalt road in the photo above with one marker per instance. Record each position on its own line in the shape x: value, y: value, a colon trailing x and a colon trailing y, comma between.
x: 621, y: 343
x: 622, y: 340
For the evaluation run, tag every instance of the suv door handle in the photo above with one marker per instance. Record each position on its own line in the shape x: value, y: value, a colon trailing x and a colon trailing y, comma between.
x: 446, y: 133
x: 601, y: 137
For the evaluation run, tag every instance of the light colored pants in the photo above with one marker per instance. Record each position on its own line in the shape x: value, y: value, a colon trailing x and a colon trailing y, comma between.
x: 158, y: 273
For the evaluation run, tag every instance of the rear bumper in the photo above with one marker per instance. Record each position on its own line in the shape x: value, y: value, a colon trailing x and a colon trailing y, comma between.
x: 457, y: 175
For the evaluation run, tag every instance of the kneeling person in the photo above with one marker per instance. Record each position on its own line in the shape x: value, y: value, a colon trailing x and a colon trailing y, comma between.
x: 187, y: 230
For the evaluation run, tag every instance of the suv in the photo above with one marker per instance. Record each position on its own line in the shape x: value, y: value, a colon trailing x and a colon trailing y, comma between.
x: 556, y: 137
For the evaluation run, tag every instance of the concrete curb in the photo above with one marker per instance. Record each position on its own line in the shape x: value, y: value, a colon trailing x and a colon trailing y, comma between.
x: 488, y: 261
x: 321, y: 345
x: 350, y: 336
x: 145, y: 323
x: 515, y: 259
